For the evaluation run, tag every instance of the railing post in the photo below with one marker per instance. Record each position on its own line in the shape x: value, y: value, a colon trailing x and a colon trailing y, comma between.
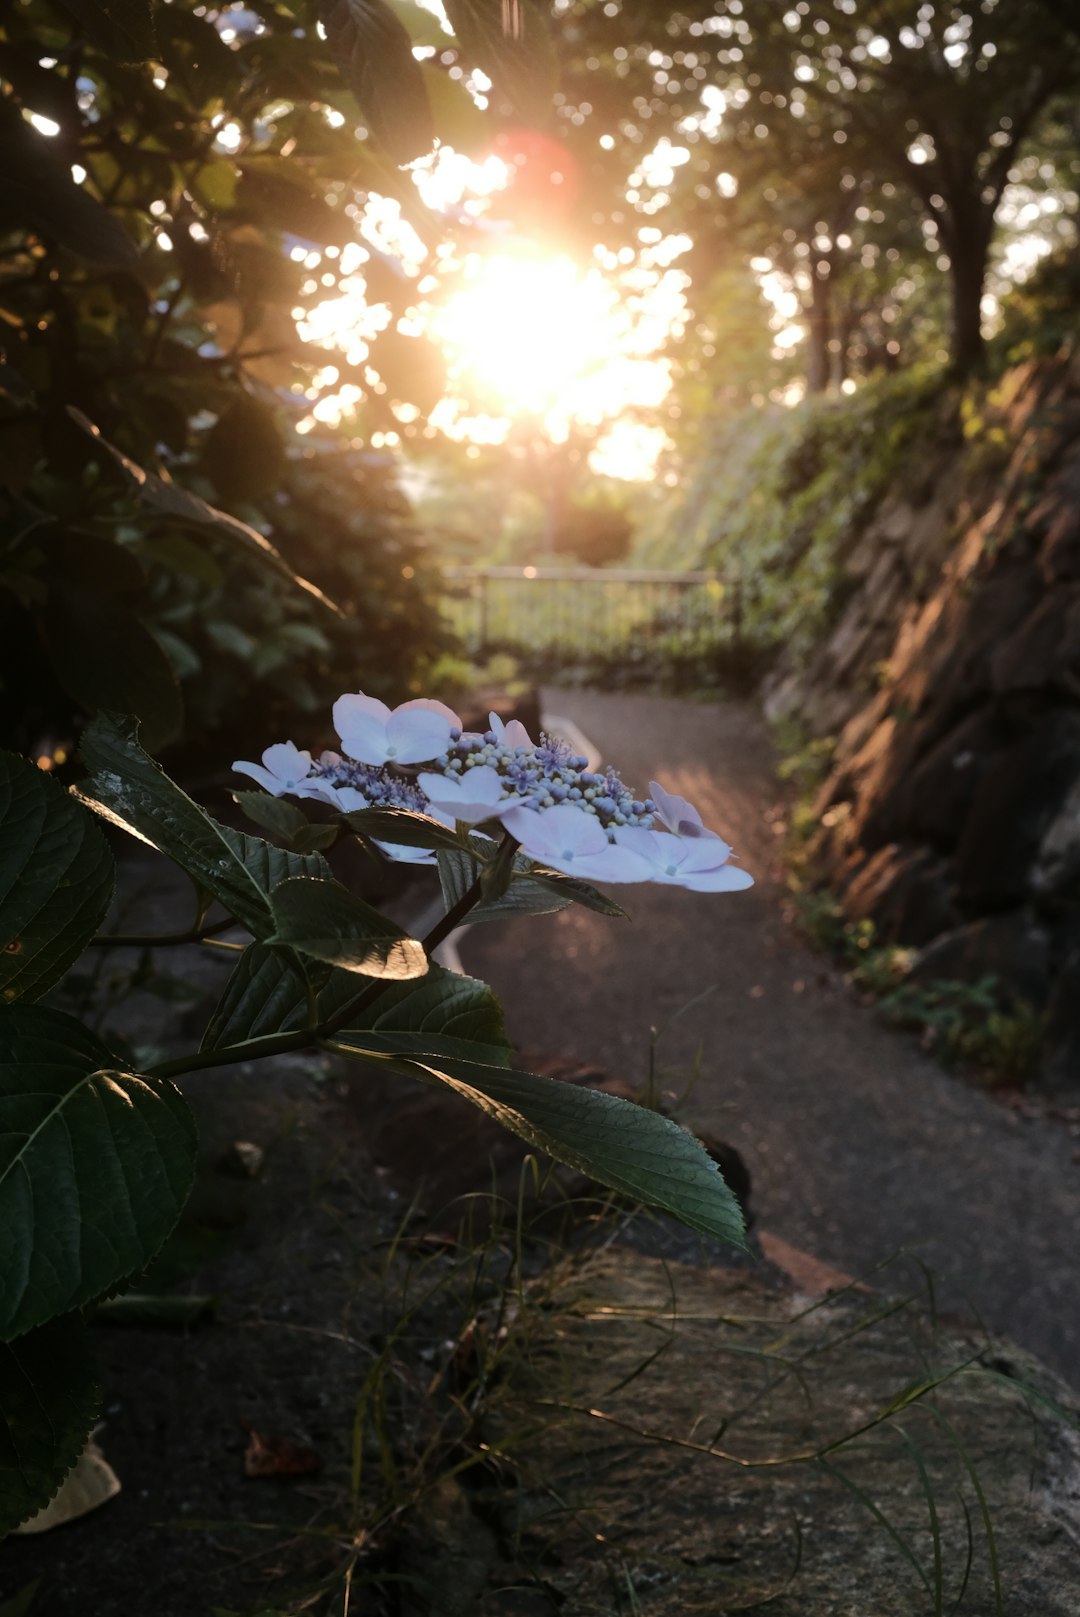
x: 482, y: 636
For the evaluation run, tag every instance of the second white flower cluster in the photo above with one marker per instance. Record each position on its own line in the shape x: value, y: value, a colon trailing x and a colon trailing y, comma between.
x: 582, y: 822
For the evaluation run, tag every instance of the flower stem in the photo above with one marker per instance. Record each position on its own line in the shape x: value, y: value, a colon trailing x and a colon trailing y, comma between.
x: 138, y: 940
x: 273, y: 1044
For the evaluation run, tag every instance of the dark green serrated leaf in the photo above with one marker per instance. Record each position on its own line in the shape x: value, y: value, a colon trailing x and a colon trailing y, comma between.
x: 266, y: 993
x: 323, y: 919
x: 104, y: 657
x: 579, y: 892
x: 170, y: 500
x: 510, y: 41
x: 95, y: 1166
x: 373, y: 52
x: 48, y: 1403
x: 314, y: 838
x: 56, y: 879
x: 458, y: 871
x: 286, y: 821
x: 444, y: 1013
x: 534, y: 890
x: 129, y: 789
x: 632, y: 1150
x: 404, y: 827
x: 274, y: 814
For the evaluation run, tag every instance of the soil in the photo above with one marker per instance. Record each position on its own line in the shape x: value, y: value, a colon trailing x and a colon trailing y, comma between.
x: 857, y: 1146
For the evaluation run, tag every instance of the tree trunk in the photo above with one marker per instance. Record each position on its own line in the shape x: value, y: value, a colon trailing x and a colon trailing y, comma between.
x: 819, y: 330
x: 968, y: 253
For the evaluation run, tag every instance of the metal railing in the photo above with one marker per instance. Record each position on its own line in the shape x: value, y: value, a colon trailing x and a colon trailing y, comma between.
x: 593, y: 613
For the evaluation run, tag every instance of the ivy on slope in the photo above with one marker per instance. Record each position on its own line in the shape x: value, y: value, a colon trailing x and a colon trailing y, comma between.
x: 780, y: 497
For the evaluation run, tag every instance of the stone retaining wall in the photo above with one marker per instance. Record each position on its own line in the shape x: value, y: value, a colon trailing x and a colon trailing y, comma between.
x: 951, y: 679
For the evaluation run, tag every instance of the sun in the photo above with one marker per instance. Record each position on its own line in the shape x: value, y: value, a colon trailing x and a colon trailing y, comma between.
x: 531, y: 333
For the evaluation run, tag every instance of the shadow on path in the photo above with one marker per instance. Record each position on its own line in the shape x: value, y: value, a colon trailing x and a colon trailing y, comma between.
x: 858, y: 1145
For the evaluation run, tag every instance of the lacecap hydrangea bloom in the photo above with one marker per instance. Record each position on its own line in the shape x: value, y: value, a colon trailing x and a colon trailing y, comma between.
x: 580, y: 821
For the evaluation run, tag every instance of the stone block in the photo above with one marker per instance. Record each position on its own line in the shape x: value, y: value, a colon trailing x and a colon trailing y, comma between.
x: 905, y: 892
x: 1016, y: 802
x: 1014, y: 948
x: 935, y: 799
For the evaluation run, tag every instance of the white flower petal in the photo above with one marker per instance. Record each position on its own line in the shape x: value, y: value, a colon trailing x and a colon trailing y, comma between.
x: 473, y: 796
x: 263, y: 776
x: 402, y: 855
x: 430, y: 705
x: 725, y: 879
x: 564, y: 831
x: 415, y: 734
x: 513, y: 734
x: 700, y: 863
x: 344, y: 798
x: 286, y: 761
x: 680, y: 817
x: 360, y: 721
x: 570, y: 840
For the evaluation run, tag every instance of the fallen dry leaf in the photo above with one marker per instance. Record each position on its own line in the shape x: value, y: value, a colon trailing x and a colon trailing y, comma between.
x: 89, y: 1483
x: 273, y: 1456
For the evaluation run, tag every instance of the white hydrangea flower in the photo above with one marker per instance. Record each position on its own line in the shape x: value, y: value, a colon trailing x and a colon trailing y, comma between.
x: 284, y: 768
x: 699, y: 863
x: 473, y: 796
x: 413, y: 733
x: 513, y: 734
x: 568, y: 839
x: 679, y: 816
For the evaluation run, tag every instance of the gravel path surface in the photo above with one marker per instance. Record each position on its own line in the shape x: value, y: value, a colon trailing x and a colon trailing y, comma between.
x: 858, y: 1145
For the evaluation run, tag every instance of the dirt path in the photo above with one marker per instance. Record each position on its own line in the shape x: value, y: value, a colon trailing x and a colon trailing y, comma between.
x: 857, y: 1144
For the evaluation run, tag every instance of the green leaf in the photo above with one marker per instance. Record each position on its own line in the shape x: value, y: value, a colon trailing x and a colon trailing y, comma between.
x: 314, y: 838
x: 169, y: 499
x: 129, y: 789
x: 510, y: 41
x: 459, y: 122
x: 274, y: 814
x: 458, y: 871
x: 244, y: 454
x: 633, y: 1150
x: 48, y: 1403
x: 214, y: 184
x: 104, y: 657
x: 373, y: 51
x: 123, y: 29
x: 56, y: 879
x: 266, y: 993
x: 95, y: 1166
x: 579, y: 892
x: 323, y: 919
x: 534, y: 890
x: 443, y: 1013
x: 38, y: 192
x: 404, y: 827
x: 286, y: 821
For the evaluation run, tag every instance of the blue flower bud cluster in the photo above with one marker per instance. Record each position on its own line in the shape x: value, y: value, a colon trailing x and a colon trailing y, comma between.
x: 381, y: 788
x: 546, y: 774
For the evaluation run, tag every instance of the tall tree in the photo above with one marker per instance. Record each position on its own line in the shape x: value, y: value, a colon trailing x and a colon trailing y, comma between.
x: 938, y: 96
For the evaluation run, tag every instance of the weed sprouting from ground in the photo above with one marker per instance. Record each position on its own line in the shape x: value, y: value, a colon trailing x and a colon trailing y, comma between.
x: 975, y: 1025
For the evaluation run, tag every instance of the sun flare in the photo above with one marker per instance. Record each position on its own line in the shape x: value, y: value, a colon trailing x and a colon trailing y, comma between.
x: 529, y: 332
